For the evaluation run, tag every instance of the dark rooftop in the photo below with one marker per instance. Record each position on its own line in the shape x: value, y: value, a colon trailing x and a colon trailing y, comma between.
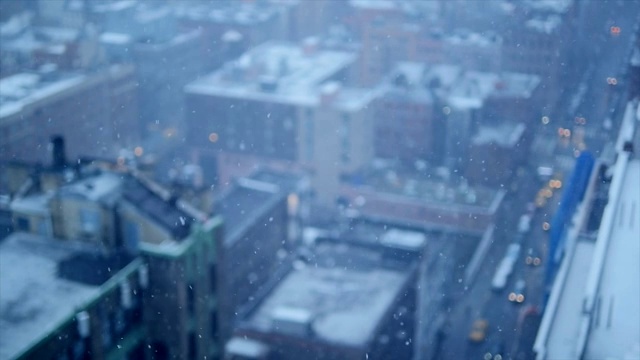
x: 243, y: 203
x: 91, y: 268
x: 164, y: 212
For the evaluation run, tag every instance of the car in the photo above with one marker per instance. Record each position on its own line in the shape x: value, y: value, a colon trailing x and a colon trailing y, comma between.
x: 517, y: 295
x: 533, y: 258
x: 478, y: 331
x: 524, y: 224
x: 495, y: 352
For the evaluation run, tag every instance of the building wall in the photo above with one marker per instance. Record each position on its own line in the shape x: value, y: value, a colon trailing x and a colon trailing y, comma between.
x: 75, y: 218
x: 247, y: 264
x: 161, y: 83
x: 82, y: 115
x: 182, y: 296
x: 249, y: 133
x: 403, y: 130
x: 143, y: 227
x: 413, y: 212
x: 115, y: 330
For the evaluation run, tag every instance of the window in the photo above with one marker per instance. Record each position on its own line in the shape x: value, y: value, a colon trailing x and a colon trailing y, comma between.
x: 308, y: 135
x: 131, y: 236
x: 192, y: 350
x: 213, y: 277
x: 214, y: 324
x: 191, y: 299
x: 89, y: 221
x: 345, y: 135
x: 23, y: 224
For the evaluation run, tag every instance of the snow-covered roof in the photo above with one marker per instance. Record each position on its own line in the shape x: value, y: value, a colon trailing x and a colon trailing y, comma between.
x: 37, y: 204
x: 506, y: 134
x: 229, y: 12
x: 341, y: 298
x: 547, y: 24
x: 461, y: 89
x: 96, y: 188
x: 548, y: 6
x: 281, y: 72
x: 33, y: 298
x: 21, y: 90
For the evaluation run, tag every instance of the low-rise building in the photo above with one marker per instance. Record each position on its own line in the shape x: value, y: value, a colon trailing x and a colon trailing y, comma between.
x: 68, y: 300
x: 496, y: 153
x: 344, y: 300
x: 415, y: 199
x: 254, y: 247
x: 115, y: 210
x: 284, y: 105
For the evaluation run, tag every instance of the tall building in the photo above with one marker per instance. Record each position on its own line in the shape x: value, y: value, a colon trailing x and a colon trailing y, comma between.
x: 284, y: 105
x: 592, y: 311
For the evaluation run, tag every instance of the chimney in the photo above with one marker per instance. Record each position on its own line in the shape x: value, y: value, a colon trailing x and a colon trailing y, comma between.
x: 58, y: 156
x: 310, y: 46
x: 329, y: 92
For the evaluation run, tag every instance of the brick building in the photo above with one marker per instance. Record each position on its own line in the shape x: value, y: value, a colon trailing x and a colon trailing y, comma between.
x: 497, y: 151
x: 95, y: 111
x: 429, y: 112
x: 277, y: 105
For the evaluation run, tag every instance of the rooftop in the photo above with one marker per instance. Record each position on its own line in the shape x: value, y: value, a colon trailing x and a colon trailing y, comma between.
x: 165, y: 211
x: 229, y: 12
x: 284, y: 73
x: 35, y: 300
x: 461, y: 89
x: 103, y: 187
x: 340, y: 299
x: 19, y: 91
x: 505, y: 135
x: 548, y: 6
x: 547, y: 24
x: 434, y: 189
x: 244, y: 203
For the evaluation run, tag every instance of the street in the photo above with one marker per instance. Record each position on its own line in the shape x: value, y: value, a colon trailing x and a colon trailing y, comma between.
x: 595, y: 98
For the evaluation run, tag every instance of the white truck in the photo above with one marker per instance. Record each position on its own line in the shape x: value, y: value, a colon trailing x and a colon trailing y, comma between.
x: 505, y: 268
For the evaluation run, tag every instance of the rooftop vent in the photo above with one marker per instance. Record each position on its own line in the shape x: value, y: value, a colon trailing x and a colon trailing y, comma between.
x: 329, y: 92
x: 310, y: 46
x: 268, y: 84
x: 292, y: 321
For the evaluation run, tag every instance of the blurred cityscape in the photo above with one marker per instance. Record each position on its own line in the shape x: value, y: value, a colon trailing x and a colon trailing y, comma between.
x: 319, y: 179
